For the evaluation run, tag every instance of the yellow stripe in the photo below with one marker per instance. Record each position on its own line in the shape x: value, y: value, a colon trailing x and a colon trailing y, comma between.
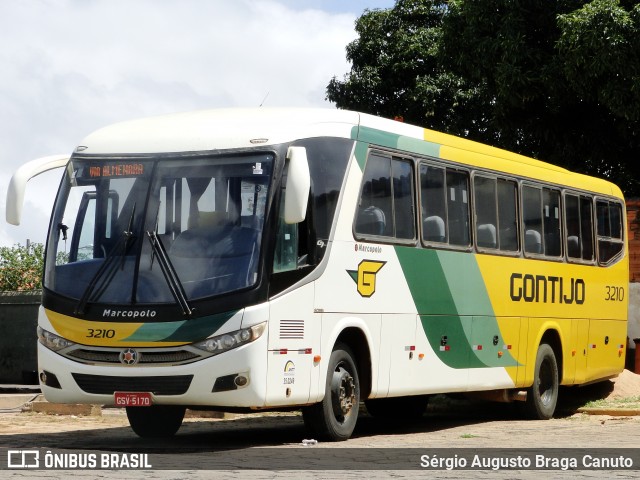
x: 103, y: 334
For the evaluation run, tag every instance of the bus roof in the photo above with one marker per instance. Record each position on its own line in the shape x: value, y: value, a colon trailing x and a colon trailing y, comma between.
x: 207, y: 130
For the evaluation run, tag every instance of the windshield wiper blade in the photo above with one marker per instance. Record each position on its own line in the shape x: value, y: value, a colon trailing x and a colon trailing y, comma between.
x: 108, y: 269
x: 169, y: 273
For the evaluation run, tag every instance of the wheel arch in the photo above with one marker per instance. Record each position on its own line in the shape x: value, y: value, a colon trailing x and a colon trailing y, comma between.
x: 356, y: 340
x: 552, y: 338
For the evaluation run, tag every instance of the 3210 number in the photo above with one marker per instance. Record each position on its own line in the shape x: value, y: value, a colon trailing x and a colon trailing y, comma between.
x: 100, y: 333
x: 614, y: 294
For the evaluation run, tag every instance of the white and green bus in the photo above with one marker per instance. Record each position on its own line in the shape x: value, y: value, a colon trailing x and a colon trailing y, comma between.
x: 261, y: 259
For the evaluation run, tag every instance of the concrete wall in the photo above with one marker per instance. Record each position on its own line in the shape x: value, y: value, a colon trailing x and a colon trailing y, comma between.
x: 18, y: 338
x: 634, y: 312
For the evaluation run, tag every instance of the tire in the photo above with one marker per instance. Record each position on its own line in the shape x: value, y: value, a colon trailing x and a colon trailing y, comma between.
x: 543, y: 395
x: 157, y: 421
x: 398, y: 408
x: 335, y: 417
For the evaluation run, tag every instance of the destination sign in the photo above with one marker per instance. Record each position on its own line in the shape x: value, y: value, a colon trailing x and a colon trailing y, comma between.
x: 116, y: 170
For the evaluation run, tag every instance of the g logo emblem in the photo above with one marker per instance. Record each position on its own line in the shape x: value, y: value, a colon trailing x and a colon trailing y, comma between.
x: 129, y: 357
x: 365, y: 276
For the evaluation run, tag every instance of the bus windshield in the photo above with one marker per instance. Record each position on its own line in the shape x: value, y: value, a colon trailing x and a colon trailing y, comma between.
x: 166, y: 230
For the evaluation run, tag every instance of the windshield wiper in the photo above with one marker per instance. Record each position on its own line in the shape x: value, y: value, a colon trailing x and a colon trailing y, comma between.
x: 108, y: 269
x: 169, y: 272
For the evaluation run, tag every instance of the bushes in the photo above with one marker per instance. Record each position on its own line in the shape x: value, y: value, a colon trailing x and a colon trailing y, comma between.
x: 21, y: 267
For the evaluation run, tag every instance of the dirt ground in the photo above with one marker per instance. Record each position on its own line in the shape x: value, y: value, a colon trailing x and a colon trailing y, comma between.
x: 627, y: 384
x: 16, y: 422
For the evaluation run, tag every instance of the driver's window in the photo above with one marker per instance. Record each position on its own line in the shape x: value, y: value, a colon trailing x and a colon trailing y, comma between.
x: 286, y: 253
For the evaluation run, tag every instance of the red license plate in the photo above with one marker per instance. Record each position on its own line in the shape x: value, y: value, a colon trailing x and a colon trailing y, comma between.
x: 132, y: 399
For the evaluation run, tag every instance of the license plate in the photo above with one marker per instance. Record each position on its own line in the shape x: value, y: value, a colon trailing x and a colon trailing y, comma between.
x: 132, y: 399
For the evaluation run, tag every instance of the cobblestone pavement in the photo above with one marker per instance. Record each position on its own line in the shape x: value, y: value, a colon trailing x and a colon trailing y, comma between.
x: 259, y: 446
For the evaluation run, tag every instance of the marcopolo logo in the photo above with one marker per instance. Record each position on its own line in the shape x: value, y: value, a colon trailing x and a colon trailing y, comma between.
x: 365, y: 276
x: 113, y: 313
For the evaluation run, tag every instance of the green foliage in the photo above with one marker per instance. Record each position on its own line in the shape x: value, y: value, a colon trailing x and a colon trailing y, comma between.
x: 559, y: 81
x: 600, y: 49
x: 21, y: 267
x: 396, y: 71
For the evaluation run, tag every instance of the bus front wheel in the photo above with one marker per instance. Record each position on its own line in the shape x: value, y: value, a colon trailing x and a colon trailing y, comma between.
x: 156, y: 421
x: 335, y: 417
x: 543, y: 394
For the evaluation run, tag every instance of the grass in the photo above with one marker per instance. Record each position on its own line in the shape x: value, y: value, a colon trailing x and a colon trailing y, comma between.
x: 625, y: 402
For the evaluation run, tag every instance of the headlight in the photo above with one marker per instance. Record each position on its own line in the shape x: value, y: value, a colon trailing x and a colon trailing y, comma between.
x: 222, y: 343
x: 52, y: 341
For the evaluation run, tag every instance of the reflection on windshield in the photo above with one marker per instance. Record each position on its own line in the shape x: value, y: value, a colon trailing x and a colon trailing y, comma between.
x: 169, y: 272
x: 104, y: 275
x: 204, y: 216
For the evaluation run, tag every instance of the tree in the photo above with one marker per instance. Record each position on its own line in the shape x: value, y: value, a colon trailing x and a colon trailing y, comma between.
x: 396, y: 71
x: 21, y: 267
x: 559, y: 81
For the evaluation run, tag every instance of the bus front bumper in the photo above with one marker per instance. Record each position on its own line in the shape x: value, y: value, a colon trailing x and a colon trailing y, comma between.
x: 234, y: 378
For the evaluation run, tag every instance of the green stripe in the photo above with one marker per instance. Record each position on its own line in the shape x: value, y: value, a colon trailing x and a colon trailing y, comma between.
x: 452, y: 301
x: 154, y: 332
x: 181, y: 331
x: 361, y: 154
x: 395, y: 141
x: 200, y: 328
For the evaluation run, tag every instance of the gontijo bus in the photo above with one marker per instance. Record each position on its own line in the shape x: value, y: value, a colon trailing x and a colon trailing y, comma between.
x: 314, y: 259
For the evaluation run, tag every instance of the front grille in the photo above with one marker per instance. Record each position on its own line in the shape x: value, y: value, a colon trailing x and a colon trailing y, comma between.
x: 107, y: 385
x: 146, y: 357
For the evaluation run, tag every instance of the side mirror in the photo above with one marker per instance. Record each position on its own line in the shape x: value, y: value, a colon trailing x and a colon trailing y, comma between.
x: 298, y: 186
x: 18, y: 183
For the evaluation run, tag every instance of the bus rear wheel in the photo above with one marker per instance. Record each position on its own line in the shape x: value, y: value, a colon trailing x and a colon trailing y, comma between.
x: 156, y: 421
x: 543, y: 395
x: 335, y: 417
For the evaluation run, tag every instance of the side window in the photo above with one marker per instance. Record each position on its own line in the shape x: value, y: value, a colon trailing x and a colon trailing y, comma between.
x: 586, y: 228
x: 486, y: 211
x: 610, y: 239
x: 374, y: 208
x: 541, y: 217
x: 458, y: 207
x: 579, y: 224
x: 445, y: 205
x: 403, y: 200
x: 385, y: 207
x: 434, y: 210
x: 551, y: 215
x: 508, y: 215
x: 496, y: 213
x: 532, y: 220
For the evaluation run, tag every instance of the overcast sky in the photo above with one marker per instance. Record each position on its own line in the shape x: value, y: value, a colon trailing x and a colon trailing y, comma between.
x: 72, y: 66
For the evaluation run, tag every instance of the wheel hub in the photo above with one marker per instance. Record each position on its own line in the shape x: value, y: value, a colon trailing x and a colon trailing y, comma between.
x: 343, y: 392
